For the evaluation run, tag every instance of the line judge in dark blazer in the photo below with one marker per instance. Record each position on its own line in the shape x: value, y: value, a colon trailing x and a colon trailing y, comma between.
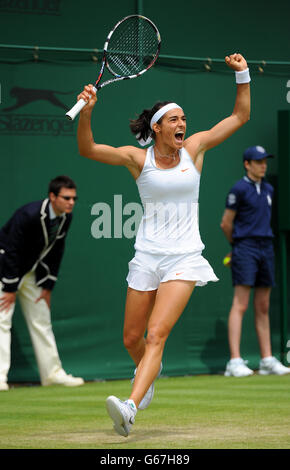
x: 31, y: 248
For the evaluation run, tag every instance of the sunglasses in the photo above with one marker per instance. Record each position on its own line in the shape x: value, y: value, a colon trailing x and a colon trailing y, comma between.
x: 68, y: 198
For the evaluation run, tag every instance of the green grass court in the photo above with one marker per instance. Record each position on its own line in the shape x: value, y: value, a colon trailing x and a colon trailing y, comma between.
x: 193, y: 412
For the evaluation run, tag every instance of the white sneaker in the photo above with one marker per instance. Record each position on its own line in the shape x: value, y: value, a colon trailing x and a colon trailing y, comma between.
x: 237, y: 368
x: 122, y: 413
x: 62, y: 378
x: 4, y: 386
x: 271, y: 365
x: 148, y: 397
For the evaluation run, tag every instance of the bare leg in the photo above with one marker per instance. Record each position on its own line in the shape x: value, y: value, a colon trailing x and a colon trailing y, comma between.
x: 139, y: 305
x: 171, y: 299
x: 262, y: 321
x: 238, y: 309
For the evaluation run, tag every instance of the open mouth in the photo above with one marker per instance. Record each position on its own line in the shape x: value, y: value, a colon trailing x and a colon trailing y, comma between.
x: 179, y: 136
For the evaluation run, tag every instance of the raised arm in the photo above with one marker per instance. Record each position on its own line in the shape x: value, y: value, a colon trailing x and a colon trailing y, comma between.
x: 125, y: 156
x: 198, y: 143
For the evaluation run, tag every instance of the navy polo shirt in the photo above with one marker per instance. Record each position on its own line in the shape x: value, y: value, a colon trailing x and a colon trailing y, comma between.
x: 253, y: 203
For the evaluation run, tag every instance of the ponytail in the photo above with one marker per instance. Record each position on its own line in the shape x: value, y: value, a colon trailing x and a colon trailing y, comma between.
x: 140, y: 126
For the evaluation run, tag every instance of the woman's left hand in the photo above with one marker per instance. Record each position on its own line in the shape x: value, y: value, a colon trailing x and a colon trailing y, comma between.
x: 236, y: 62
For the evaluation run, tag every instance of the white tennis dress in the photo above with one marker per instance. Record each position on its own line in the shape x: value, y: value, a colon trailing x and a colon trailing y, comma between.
x: 168, y: 244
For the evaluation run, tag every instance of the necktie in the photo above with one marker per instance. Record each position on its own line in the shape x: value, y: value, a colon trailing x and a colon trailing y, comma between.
x: 53, y: 228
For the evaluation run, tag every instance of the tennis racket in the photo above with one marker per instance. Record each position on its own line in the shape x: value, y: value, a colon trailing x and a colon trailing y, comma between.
x: 131, y: 49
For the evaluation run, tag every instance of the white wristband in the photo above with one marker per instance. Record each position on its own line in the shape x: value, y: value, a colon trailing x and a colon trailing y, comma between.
x: 243, y: 76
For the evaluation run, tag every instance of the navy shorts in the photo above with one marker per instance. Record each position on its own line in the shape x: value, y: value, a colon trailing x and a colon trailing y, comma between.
x: 253, y: 262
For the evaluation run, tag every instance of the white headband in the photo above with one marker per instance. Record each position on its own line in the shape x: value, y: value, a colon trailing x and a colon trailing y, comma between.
x: 161, y: 112
x: 155, y: 118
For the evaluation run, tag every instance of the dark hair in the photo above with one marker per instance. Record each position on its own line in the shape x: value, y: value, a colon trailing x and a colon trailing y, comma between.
x: 60, y: 182
x: 141, y: 125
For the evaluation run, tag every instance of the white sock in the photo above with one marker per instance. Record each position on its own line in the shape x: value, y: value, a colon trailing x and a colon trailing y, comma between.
x: 132, y: 405
x: 236, y: 359
x: 268, y: 358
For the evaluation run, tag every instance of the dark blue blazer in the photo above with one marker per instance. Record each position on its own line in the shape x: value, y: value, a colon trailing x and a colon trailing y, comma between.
x: 24, y: 246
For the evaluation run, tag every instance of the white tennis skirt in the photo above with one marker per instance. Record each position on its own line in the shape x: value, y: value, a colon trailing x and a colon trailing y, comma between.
x: 146, y: 270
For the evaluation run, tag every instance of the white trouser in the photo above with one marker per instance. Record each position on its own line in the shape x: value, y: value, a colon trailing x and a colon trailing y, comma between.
x: 38, y: 320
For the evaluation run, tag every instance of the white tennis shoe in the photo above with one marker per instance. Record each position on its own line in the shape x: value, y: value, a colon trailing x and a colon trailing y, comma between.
x: 238, y: 368
x: 62, y: 378
x: 4, y: 386
x: 148, y: 397
x: 122, y: 413
x: 271, y: 365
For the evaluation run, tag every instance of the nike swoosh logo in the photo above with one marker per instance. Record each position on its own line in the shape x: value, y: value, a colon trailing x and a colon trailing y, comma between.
x: 185, y: 169
x: 177, y: 274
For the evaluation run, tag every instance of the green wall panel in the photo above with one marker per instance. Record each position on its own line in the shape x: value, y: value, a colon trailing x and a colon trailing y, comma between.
x: 37, y: 143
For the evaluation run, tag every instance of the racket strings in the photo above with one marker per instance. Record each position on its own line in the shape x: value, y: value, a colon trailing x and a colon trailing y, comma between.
x: 132, y: 48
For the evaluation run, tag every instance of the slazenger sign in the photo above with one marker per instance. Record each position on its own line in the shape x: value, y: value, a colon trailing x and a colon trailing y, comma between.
x: 26, y: 124
x: 44, y: 7
x: 12, y: 122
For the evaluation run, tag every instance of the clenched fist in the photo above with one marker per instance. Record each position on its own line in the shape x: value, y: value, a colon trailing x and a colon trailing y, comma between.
x: 236, y: 62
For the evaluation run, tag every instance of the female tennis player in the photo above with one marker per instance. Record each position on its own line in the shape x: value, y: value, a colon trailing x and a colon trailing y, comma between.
x: 168, y: 263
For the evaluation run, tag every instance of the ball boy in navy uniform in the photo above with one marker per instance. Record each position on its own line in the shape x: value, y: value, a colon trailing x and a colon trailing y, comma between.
x: 246, y: 225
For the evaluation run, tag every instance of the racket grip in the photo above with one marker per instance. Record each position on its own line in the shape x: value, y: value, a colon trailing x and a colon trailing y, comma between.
x: 74, y: 111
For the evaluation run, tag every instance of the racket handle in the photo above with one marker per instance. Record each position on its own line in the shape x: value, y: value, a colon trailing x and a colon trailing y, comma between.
x: 74, y: 111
